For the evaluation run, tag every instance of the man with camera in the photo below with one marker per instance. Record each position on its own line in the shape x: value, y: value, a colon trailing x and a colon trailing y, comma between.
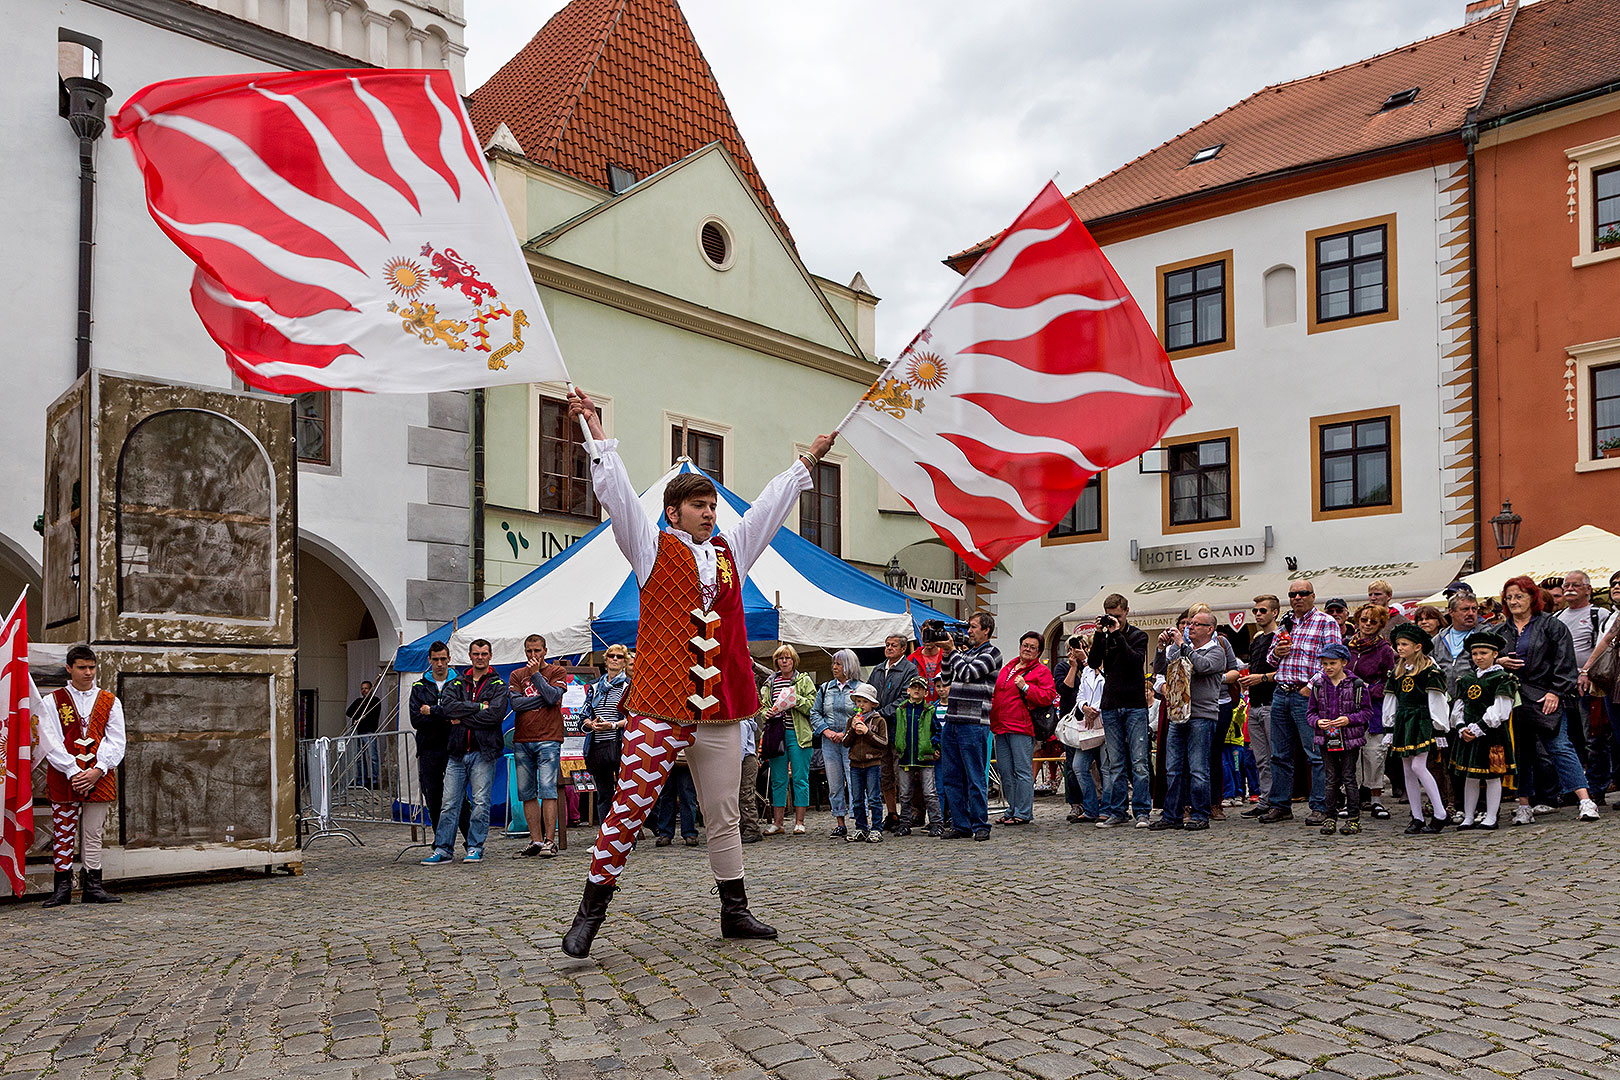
x: 1119, y: 651
x: 1305, y: 632
x: 970, y: 671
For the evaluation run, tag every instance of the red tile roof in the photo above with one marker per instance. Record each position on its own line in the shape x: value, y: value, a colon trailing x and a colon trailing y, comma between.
x: 1334, y: 115
x: 1556, y: 48
x: 618, y: 82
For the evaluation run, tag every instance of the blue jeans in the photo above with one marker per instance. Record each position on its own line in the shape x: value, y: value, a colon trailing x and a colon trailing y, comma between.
x: 866, y: 795
x: 679, y: 791
x: 835, y: 760
x: 1127, y: 740
x: 1081, y: 786
x: 1015, y: 762
x: 1560, y: 753
x: 1242, y: 772
x: 466, y: 776
x: 1186, y: 770
x: 538, y: 765
x: 963, y: 777
x: 1288, y: 729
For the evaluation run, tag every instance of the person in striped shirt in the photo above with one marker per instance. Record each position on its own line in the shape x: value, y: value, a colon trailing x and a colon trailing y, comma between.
x: 1296, y: 650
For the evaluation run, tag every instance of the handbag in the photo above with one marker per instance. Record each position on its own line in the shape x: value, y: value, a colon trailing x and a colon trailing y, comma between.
x: 1043, y: 718
x: 1604, y: 669
x: 774, y: 739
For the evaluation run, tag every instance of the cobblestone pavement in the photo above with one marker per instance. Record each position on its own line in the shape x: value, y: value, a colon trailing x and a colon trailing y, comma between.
x: 1050, y: 952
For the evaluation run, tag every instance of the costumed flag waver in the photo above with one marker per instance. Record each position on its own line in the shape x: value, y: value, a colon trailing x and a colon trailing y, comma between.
x: 1037, y: 374
x: 18, y: 699
x: 346, y: 230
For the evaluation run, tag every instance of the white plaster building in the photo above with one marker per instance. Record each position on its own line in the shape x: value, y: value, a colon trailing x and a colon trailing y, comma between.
x: 1305, y: 258
x: 384, y: 519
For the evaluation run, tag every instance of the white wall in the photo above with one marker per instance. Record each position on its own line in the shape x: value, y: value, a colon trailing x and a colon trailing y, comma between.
x: 1269, y: 387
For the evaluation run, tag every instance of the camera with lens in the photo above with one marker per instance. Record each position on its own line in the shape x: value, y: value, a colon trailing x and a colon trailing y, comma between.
x: 933, y: 630
x: 1107, y: 622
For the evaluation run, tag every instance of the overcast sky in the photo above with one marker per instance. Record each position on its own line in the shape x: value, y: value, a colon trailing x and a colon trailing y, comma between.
x: 893, y: 133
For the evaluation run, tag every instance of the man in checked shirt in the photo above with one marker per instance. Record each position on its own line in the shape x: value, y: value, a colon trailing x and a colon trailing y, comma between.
x: 1300, y: 639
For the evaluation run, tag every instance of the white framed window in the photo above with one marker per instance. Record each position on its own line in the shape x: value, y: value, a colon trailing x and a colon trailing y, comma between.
x: 822, y: 517
x: 559, y: 474
x: 1594, y: 171
x: 1594, y: 368
x: 706, y: 443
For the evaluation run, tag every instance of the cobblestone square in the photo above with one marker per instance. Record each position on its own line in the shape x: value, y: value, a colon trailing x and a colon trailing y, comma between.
x: 1050, y: 952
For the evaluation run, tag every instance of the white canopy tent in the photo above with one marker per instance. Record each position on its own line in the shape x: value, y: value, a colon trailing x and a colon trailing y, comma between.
x: 587, y: 598
x: 1589, y: 548
x: 1156, y: 603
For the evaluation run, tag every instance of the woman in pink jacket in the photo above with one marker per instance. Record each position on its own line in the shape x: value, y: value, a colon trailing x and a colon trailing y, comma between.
x: 1022, y: 684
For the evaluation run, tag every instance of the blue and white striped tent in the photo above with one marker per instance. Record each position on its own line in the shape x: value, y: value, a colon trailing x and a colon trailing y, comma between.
x: 586, y: 598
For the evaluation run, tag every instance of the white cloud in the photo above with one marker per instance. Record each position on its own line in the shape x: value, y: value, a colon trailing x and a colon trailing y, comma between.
x: 893, y: 133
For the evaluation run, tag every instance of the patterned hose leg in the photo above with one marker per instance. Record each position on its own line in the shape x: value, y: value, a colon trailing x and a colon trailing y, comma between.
x: 649, y: 753
x: 64, y: 830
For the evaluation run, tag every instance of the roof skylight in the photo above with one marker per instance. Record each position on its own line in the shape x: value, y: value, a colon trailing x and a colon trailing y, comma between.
x: 1206, y: 153
x: 1399, y: 98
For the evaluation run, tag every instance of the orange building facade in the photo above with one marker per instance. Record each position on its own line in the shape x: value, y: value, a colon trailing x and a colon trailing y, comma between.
x: 1547, y: 187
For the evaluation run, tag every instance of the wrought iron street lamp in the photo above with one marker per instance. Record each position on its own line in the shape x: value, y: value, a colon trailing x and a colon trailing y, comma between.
x: 1505, y: 526
x: 893, y: 576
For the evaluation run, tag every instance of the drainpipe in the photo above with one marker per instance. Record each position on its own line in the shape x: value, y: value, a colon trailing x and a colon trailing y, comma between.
x: 82, y: 101
x: 1470, y: 137
x: 478, y: 496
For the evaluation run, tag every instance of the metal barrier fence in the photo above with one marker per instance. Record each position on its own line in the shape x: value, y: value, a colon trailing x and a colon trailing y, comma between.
x: 360, y: 779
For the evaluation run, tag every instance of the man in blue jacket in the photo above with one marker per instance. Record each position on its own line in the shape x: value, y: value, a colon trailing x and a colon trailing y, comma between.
x: 432, y: 726
x: 476, y: 704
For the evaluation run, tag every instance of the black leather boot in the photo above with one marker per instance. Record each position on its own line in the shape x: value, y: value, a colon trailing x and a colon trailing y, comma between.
x: 588, y: 920
x: 736, y: 921
x: 64, y: 890
x: 90, y: 884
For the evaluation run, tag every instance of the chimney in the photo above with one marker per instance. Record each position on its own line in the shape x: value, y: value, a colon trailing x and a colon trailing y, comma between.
x: 1475, y: 10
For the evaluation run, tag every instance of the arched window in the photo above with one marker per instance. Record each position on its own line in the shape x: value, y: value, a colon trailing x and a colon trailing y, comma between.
x: 196, y: 522
x: 1281, y: 296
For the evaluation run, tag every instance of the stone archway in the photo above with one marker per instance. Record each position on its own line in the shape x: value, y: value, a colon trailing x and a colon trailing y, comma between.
x: 19, y: 570
x: 344, y: 625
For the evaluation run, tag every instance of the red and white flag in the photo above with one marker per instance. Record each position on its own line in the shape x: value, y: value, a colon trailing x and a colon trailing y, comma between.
x: 346, y: 230
x: 17, y: 696
x: 1037, y: 374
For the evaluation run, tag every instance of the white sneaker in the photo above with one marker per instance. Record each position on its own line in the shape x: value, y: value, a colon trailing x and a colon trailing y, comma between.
x: 772, y: 829
x: 1522, y: 815
x: 1142, y: 823
x: 1542, y: 808
x: 1589, y: 810
x: 798, y: 830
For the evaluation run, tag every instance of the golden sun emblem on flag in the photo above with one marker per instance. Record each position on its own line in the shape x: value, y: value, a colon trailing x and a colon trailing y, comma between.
x: 405, y: 277
x: 926, y: 370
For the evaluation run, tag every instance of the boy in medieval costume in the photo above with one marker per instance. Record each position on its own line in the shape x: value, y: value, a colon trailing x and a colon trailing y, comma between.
x: 81, y: 733
x: 1485, y: 699
x: 1416, y: 719
x: 694, y: 677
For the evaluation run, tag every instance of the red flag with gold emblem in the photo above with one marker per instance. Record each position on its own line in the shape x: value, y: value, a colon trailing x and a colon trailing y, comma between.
x: 16, y: 747
x: 346, y: 230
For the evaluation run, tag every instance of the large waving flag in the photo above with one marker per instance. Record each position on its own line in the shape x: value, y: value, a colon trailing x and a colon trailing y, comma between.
x: 17, y: 696
x: 346, y: 230
x: 1037, y: 374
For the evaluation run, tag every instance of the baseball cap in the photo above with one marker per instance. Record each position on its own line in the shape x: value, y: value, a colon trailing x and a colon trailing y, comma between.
x: 917, y: 680
x: 1336, y: 602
